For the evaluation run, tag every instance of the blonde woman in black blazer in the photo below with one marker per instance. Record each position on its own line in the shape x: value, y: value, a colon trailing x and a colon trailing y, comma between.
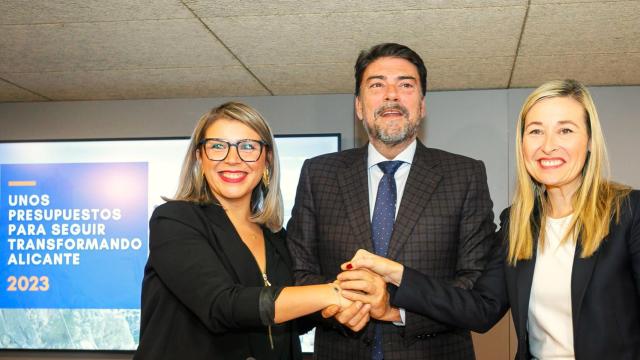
x: 217, y: 284
x: 560, y: 154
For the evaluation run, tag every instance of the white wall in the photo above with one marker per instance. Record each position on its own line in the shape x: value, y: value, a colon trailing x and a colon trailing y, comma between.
x: 474, y: 124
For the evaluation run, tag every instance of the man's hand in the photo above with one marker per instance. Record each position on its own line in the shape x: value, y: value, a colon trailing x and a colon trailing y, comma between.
x: 367, y: 287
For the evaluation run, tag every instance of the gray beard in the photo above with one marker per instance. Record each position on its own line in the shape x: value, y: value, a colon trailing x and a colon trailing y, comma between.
x: 408, y: 131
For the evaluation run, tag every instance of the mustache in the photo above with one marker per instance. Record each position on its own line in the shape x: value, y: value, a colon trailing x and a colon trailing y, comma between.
x: 391, y: 106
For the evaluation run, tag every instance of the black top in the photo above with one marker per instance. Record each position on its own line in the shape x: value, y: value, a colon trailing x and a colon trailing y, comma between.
x: 202, y: 288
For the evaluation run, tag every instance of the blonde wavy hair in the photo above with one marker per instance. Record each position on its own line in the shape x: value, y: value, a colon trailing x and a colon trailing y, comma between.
x: 595, y: 203
x: 266, y: 199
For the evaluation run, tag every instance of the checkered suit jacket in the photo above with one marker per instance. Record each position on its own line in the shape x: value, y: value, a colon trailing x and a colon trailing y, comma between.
x: 444, y: 228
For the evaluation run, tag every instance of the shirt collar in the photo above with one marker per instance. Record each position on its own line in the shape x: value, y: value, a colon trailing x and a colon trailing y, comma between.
x: 374, y: 157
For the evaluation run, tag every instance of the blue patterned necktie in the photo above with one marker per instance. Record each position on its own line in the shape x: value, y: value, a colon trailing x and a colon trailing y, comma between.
x: 384, y: 214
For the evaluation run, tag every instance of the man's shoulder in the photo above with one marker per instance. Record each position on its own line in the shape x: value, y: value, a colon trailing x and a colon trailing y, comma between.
x: 445, y: 156
x: 448, y: 162
x: 336, y: 160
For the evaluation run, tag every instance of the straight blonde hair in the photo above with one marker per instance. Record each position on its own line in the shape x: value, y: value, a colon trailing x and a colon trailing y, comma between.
x: 266, y: 198
x: 596, y: 202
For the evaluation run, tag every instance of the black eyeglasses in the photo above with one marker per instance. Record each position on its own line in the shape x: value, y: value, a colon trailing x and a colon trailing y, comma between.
x: 218, y: 149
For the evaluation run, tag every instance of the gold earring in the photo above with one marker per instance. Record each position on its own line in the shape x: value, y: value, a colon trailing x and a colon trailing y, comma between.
x: 265, y: 178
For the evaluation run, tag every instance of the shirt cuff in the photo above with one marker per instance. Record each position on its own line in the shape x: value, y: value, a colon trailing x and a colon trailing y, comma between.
x: 402, y: 321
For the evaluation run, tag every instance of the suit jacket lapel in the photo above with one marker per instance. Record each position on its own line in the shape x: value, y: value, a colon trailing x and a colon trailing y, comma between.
x: 580, y: 277
x: 524, y: 281
x: 237, y: 257
x: 354, y: 186
x: 524, y: 276
x: 421, y: 184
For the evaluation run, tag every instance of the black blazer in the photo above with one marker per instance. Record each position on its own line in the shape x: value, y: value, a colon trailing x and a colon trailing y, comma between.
x: 201, y: 287
x: 444, y: 227
x: 605, y: 293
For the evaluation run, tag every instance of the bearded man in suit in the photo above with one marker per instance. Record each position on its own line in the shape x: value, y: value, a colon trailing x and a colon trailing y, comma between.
x: 423, y: 207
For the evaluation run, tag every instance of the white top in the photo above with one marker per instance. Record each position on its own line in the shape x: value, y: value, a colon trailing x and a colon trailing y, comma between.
x: 550, y: 324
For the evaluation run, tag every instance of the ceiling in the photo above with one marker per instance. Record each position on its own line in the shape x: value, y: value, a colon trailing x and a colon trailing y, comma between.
x: 53, y: 50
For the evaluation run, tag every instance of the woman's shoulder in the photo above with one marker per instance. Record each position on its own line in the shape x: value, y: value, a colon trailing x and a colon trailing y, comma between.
x: 634, y: 196
x: 190, y: 214
x: 632, y: 200
x: 278, y: 238
x: 280, y: 235
x: 183, y: 210
x: 504, y: 215
x: 174, y: 207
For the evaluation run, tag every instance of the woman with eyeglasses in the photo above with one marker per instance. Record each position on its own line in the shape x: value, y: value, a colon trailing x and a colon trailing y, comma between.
x: 569, y: 264
x: 217, y: 283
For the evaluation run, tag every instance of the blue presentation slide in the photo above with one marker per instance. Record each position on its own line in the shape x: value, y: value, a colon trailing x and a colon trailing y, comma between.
x: 73, y: 236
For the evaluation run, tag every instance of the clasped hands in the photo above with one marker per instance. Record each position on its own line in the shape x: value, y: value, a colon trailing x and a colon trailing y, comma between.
x: 363, y: 284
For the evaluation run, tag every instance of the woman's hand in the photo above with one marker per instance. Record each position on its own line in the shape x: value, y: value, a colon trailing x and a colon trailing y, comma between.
x: 390, y: 270
x: 340, y: 300
x: 352, y: 314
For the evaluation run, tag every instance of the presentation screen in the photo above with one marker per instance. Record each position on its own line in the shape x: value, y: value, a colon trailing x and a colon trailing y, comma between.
x: 74, y: 234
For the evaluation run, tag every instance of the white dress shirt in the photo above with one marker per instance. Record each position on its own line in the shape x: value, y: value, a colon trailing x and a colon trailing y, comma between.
x: 401, y: 175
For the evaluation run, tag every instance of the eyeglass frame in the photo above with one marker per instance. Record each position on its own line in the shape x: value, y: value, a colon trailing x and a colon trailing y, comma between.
x: 262, y: 143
